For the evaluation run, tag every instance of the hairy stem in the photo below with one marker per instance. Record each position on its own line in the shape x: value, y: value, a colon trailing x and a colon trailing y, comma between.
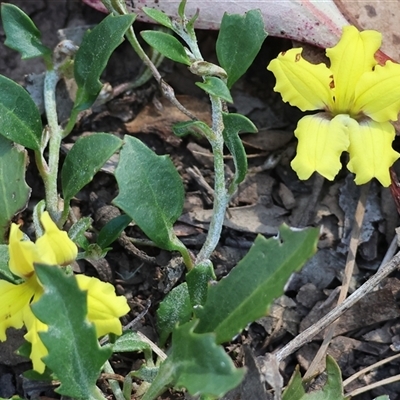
x: 55, y: 136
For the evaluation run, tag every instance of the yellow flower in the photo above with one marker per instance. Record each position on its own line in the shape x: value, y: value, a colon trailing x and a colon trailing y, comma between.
x: 53, y: 248
x: 358, y: 97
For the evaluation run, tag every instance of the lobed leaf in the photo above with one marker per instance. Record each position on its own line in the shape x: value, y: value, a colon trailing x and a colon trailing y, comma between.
x: 74, y: 352
x: 85, y: 159
x: 248, y: 291
x: 239, y: 41
x: 22, y: 34
x: 93, y: 54
x: 150, y: 192
x: 20, y: 119
x: 14, y: 191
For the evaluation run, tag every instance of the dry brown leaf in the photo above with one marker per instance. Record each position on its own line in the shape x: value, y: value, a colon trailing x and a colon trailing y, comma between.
x: 267, y: 139
x: 252, y: 219
x: 159, y: 120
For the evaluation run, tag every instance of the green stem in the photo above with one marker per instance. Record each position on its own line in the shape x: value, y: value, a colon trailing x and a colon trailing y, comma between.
x: 71, y: 123
x: 221, y: 197
x: 50, y: 179
x: 114, y: 385
x: 95, y: 394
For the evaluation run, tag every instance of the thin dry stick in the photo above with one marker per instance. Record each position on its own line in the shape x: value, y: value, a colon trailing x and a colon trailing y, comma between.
x: 307, y: 335
x: 348, y: 273
x: 374, y: 385
x: 369, y: 368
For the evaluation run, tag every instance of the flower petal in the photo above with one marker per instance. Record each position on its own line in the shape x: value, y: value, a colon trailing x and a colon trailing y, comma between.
x: 321, y: 142
x: 104, y: 307
x: 302, y: 84
x: 55, y: 247
x: 14, y: 299
x: 378, y: 93
x: 350, y: 58
x: 371, y: 152
x: 38, y: 350
x: 22, y: 253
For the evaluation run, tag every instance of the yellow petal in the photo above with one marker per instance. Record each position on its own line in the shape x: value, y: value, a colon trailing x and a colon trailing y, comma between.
x: 371, y: 152
x: 378, y: 93
x: 104, y: 306
x: 302, y: 84
x: 55, y: 247
x: 321, y: 142
x: 38, y: 350
x: 14, y: 299
x: 23, y: 253
x: 350, y: 58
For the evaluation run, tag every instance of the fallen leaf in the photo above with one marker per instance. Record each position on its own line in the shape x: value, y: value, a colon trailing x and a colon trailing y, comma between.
x: 159, y: 119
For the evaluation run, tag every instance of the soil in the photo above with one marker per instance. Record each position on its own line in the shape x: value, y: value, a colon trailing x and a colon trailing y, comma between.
x: 271, y: 195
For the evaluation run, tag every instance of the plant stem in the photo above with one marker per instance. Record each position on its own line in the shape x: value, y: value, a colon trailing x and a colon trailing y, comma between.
x: 95, y: 394
x: 221, y: 197
x: 50, y: 179
x: 114, y: 385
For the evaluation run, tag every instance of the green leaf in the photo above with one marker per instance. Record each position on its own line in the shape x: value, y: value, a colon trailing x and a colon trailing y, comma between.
x: 112, y: 230
x: 93, y: 54
x: 78, y: 230
x: 239, y: 41
x: 158, y: 16
x: 174, y: 309
x: 85, y: 159
x: 198, y: 280
x: 14, y: 192
x: 20, y: 119
x: 198, y: 364
x: 181, y: 9
x: 150, y: 192
x: 131, y: 342
x: 5, y: 273
x: 247, y: 292
x: 167, y: 45
x: 146, y: 373
x: 233, y: 124
x: 196, y: 128
x: 74, y: 352
x: 216, y: 87
x: 332, y: 390
x: 22, y: 34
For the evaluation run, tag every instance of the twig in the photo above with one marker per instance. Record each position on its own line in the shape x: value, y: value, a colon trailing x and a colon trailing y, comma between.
x: 369, y: 368
x: 307, y: 335
x: 374, y: 385
x: 153, y: 346
x: 196, y: 174
x: 348, y: 273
